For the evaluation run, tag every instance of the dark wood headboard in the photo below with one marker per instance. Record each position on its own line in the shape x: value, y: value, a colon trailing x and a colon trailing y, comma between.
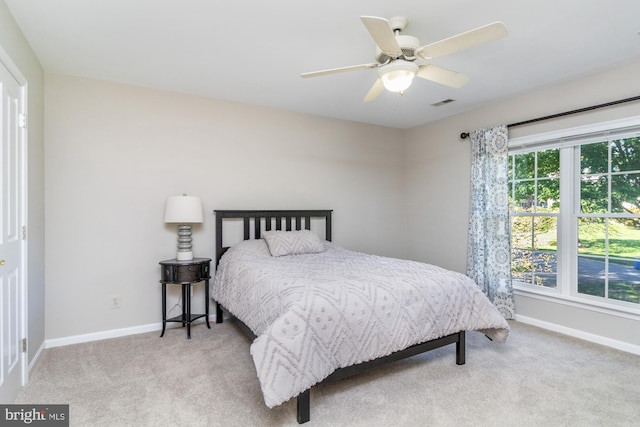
x: 293, y: 220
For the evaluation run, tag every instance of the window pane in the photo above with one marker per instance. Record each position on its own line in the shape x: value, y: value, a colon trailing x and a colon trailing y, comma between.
x: 593, y: 199
x: 545, y: 257
x: 525, y: 166
x: 625, y: 155
x: 548, y: 280
x: 521, y: 265
x: 521, y: 232
x: 546, y: 233
x: 524, y: 196
x: 521, y: 245
x: 549, y: 163
x: 591, y: 275
x: 625, y: 193
x: 545, y: 268
x: 624, y: 279
x: 594, y: 158
x: 624, y: 260
x: 549, y: 195
x: 533, y: 250
x: 626, y: 291
x: 624, y: 238
x: 591, y: 236
x: 594, y: 193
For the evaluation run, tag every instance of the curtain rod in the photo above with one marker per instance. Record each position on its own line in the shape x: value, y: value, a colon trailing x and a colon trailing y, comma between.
x: 465, y: 135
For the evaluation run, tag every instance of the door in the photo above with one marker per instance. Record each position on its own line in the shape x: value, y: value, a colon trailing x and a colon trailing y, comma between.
x: 12, y: 245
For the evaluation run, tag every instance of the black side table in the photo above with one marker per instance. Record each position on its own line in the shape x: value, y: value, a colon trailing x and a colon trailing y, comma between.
x: 185, y: 273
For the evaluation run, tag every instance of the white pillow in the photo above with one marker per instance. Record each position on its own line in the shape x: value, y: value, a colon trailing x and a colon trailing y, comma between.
x: 297, y: 242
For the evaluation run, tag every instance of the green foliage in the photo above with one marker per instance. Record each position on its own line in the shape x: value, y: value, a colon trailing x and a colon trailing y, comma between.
x: 539, y: 232
x: 533, y: 253
x: 625, y: 292
x: 609, y: 184
x: 617, y: 161
x: 534, y: 181
x: 624, y: 240
x: 629, y: 292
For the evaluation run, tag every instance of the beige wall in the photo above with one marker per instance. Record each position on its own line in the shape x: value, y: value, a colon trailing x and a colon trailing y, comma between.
x: 17, y: 56
x: 438, y: 179
x: 114, y: 153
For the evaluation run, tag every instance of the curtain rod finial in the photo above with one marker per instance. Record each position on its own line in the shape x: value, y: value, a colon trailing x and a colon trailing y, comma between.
x: 464, y: 135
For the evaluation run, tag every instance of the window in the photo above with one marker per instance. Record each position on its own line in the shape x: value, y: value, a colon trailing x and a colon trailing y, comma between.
x: 534, y: 187
x: 608, y: 221
x: 575, y: 216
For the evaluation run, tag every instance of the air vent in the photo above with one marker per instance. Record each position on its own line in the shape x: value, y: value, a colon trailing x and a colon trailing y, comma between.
x: 444, y: 101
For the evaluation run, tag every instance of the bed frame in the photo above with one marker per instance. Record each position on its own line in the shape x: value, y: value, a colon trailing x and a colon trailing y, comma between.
x: 294, y: 218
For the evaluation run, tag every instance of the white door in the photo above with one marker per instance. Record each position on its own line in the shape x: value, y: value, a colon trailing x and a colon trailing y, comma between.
x: 12, y: 245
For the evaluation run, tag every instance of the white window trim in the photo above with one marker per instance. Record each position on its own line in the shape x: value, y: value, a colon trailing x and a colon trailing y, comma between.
x: 559, y: 135
x: 553, y: 295
x: 565, y: 294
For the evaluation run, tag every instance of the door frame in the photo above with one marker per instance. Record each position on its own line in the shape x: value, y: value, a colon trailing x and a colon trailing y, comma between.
x: 7, y: 62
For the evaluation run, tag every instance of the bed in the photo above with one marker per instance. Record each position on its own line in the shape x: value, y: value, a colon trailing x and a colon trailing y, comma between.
x: 317, y: 312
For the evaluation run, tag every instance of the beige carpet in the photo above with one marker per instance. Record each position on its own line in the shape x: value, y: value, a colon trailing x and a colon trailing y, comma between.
x: 537, y: 379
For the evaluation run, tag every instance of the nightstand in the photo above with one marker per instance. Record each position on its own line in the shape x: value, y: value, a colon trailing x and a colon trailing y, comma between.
x: 186, y: 274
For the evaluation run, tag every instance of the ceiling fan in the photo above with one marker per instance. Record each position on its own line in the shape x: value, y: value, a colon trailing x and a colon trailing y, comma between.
x: 400, y: 58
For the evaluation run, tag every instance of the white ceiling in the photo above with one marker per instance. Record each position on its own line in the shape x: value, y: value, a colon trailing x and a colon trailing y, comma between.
x: 253, y: 51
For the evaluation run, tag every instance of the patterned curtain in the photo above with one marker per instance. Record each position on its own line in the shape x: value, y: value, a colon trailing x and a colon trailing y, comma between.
x: 489, y: 250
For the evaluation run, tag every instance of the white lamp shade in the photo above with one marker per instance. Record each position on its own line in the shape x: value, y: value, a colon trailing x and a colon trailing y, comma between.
x: 398, y: 75
x: 183, y: 210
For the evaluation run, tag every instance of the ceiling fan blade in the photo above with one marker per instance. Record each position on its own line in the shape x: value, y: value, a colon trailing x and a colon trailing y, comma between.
x: 466, y: 40
x: 375, y: 91
x: 382, y: 35
x: 338, y: 70
x: 442, y: 75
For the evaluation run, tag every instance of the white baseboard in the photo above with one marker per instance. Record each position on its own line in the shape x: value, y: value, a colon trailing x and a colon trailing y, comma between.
x: 36, y: 357
x: 598, y: 339
x: 114, y: 333
x: 96, y: 336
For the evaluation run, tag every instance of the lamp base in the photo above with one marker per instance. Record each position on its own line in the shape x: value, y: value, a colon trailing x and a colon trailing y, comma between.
x: 184, y: 243
x: 184, y: 256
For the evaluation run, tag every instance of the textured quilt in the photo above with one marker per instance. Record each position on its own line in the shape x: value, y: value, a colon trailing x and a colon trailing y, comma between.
x: 315, y: 313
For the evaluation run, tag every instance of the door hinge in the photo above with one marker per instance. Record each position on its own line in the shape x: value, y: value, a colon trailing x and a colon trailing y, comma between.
x: 22, y: 120
x: 24, y: 232
x: 24, y: 345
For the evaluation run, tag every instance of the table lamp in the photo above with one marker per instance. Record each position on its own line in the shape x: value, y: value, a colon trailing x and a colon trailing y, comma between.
x: 183, y: 210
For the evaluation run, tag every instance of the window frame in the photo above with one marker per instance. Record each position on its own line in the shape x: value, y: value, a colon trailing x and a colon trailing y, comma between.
x: 568, y: 141
x: 536, y: 213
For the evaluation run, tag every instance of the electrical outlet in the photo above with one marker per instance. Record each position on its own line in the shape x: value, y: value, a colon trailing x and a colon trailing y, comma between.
x: 115, y: 301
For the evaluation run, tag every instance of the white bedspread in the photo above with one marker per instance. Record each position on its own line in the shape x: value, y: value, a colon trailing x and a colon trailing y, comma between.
x: 315, y: 313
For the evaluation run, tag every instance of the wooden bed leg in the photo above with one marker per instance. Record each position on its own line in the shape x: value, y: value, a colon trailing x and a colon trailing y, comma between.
x: 460, y: 348
x: 218, y: 313
x: 304, y: 406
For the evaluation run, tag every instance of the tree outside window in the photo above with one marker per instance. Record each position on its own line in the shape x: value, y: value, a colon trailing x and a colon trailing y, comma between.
x: 608, y: 223
x: 604, y: 210
x: 534, y: 187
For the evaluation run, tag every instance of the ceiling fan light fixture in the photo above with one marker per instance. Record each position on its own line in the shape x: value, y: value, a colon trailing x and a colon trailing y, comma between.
x: 398, y: 75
